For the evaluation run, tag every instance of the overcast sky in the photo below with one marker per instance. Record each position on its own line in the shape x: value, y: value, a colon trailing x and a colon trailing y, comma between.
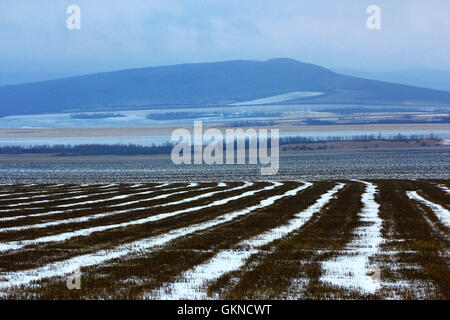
x: 35, y: 43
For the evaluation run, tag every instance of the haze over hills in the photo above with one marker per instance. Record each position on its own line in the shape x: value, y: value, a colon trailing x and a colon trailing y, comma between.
x: 427, y: 78
x: 218, y: 83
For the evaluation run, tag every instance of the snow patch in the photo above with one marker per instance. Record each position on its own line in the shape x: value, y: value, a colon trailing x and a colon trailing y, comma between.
x: 441, y: 213
x: 447, y: 190
x: 280, y: 98
x: 353, y: 270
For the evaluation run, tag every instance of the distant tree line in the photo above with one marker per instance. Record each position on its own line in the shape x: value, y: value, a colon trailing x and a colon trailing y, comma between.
x: 364, y: 137
x: 89, y: 149
x: 317, y: 122
x: 178, y: 115
x: 166, y: 148
x: 249, y: 123
x: 96, y: 115
x: 361, y: 109
x: 197, y: 115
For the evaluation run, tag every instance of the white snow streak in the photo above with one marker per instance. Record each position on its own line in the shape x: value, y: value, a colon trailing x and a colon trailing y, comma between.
x: 15, y: 245
x: 48, y: 195
x: 193, y: 283
x: 84, y: 196
x: 63, y: 267
x: 162, y: 196
x: 351, y: 270
x: 89, y: 202
x: 441, y: 213
x: 98, y: 215
x: 447, y: 190
x: 22, y: 204
x: 201, y: 196
x: 125, y: 196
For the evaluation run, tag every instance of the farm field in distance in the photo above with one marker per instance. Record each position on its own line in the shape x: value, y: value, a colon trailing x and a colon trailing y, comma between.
x: 292, y: 239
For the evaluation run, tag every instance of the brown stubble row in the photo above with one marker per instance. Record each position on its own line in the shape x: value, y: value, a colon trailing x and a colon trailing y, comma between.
x: 442, y: 182
x: 37, y: 255
x: 102, y: 194
x: 53, y: 195
x: 436, y: 195
x: 411, y: 241
x: 29, y: 209
x: 97, y: 208
x: 272, y: 273
x: 133, y: 213
x: 14, y: 191
x: 413, y: 250
x: 22, y: 189
x: 293, y: 268
x: 432, y: 192
x: 163, y: 265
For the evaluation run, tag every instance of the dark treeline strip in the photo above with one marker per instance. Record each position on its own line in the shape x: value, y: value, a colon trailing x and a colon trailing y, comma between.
x: 198, y: 115
x: 364, y: 137
x: 89, y: 149
x: 249, y: 123
x: 166, y: 148
x: 360, y: 109
x: 180, y: 115
x: 317, y: 122
x: 94, y: 116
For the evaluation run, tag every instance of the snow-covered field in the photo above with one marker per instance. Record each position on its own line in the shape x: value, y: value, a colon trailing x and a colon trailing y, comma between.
x: 213, y: 240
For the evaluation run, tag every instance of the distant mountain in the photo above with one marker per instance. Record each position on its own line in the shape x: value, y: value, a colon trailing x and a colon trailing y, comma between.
x: 218, y: 83
x: 427, y: 78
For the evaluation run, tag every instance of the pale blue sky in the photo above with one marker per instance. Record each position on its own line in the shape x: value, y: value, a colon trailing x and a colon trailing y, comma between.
x: 116, y: 34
